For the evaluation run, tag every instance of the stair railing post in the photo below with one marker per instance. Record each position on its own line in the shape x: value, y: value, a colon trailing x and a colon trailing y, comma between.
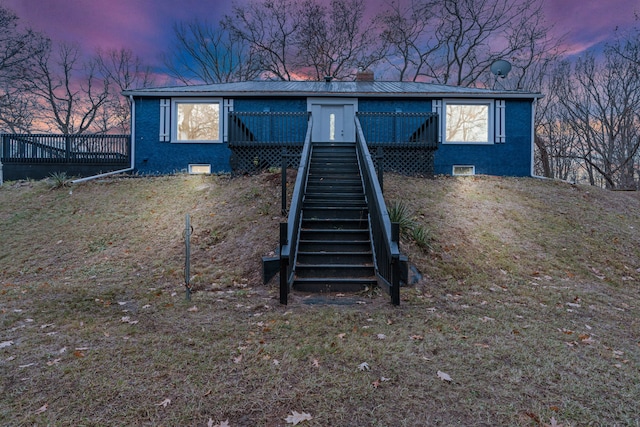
x: 284, y: 265
x: 380, y: 168
x: 283, y: 171
x: 395, y: 266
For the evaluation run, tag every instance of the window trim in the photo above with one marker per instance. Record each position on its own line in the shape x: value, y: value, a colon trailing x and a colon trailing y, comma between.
x: 457, y: 167
x: 174, y: 122
x: 490, y: 103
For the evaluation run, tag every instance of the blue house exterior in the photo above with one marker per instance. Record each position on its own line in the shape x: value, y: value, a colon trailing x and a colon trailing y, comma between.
x: 195, y: 128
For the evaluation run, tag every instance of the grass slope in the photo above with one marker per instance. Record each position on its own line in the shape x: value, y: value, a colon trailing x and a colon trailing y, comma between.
x: 529, y: 302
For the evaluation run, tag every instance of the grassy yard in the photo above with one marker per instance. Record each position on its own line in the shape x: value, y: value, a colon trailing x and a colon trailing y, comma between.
x: 527, y: 313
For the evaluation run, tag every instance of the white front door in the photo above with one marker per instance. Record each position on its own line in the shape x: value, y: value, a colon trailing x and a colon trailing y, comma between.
x: 333, y: 119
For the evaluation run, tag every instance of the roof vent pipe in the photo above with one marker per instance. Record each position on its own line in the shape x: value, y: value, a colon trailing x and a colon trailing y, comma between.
x: 328, y: 79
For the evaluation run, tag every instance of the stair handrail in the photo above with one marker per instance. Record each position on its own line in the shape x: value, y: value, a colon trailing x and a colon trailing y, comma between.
x: 290, y: 230
x: 385, y: 234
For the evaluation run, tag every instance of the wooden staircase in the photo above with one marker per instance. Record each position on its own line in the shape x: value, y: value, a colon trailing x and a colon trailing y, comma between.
x: 334, y: 248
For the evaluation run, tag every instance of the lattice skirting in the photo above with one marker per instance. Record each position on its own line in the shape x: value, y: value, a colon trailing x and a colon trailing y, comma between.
x: 405, y: 160
x: 254, y: 159
x: 402, y: 160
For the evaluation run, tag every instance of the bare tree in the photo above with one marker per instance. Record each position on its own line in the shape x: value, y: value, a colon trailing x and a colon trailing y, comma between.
x: 556, y: 145
x: 16, y: 110
x: 204, y: 53
x: 601, y: 101
x: 69, y: 92
x: 336, y: 41
x: 456, y: 41
x: 626, y: 44
x: 295, y: 39
x: 19, y: 47
x: 270, y: 27
x: 406, y: 36
x: 122, y: 70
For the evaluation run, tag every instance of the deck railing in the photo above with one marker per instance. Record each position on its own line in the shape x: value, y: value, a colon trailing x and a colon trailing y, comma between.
x: 385, y: 234
x: 290, y: 230
x: 405, y: 142
x: 267, y: 128
x: 103, y: 149
x: 399, y: 130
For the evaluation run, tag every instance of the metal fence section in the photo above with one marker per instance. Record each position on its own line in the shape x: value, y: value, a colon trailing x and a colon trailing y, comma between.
x: 256, y: 139
x: 37, y: 148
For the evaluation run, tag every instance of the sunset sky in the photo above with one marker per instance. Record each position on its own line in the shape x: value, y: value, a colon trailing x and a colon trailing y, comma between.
x: 145, y: 26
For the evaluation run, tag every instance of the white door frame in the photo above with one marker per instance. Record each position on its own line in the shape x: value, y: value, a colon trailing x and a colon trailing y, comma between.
x: 350, y: 108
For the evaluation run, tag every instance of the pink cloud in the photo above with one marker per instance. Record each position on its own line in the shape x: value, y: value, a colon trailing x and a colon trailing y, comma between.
x: 585, y: 23
x: 143, y: 26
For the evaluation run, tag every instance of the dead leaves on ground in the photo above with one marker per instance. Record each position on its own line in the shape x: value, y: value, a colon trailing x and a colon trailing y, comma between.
x: 364, y: 366
x: 444, y: 376
x: 298, y: 417
x: 42, y: 409
x: 295, y: 418
x: 164, y: 403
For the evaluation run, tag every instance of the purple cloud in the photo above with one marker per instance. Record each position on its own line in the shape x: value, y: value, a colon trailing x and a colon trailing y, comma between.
x: 145, y: 26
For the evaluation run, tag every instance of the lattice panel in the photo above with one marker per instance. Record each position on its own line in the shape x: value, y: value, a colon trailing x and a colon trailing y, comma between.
x: 406, y: 161
x: 254, y: 159
x: 402, y: 160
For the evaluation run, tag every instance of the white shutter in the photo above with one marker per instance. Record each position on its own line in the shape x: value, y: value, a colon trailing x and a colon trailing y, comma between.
x: 165, y: 120
x: 437, y: 108
x: 500, y: 122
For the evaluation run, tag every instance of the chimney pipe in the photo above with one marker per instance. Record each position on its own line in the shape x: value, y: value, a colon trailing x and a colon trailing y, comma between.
x: 364, y: 76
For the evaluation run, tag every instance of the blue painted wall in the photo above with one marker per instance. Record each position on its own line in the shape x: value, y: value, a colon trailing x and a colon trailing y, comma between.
x: 512, y: 158
x: 153, y: 157
x: 382, y: 105
x: 270, y: 104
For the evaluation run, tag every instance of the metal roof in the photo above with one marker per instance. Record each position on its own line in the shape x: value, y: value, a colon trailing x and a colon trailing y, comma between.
x: 329, y: 89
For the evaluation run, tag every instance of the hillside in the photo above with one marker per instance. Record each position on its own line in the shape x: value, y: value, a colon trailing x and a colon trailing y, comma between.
x: 528, y: 301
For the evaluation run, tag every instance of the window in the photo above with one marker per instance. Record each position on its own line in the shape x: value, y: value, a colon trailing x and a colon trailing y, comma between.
x: 468, y: 121
x: 197, y: 120
x: 200, y: 169
x: 464, y: 170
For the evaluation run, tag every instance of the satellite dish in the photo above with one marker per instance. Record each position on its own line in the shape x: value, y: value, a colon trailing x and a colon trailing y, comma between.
x: 501, y: 68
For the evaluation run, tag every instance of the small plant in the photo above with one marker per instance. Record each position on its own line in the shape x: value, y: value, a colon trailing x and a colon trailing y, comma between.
x: 399, y: 212
x: 421, y: 236
x: 58, y: 180
x: 264, y: 209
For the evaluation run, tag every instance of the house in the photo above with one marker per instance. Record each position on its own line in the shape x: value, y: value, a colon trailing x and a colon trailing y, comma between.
x: 338, y: 236
x: 418, y: 127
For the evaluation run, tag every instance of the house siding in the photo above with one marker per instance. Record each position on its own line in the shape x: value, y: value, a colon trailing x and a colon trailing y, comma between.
x: 511, y: 158
x: 153, y: 157
x: 375, y: 105
x: 288, y: 105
